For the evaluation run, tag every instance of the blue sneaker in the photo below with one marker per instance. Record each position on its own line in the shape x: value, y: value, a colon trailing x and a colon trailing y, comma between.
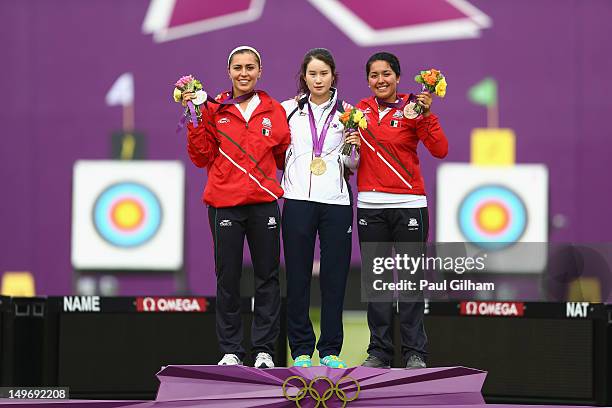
x: 302, y: 361
x: 332, y: 361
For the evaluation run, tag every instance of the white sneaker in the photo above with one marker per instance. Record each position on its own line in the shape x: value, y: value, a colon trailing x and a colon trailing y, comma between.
x: 230, y: 359
x: 264, y: 360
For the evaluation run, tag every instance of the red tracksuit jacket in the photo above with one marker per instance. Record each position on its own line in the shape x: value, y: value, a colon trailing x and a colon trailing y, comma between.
x: 389, y: 161
x: 241, y: 157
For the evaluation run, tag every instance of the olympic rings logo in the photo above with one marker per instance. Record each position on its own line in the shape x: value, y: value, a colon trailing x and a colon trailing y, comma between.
x: 309, y: 389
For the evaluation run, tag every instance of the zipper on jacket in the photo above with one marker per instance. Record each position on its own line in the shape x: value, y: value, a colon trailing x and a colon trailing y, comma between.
x: 309, y: 184
x: 310, y: 177
x: 341, y: 169
x: 286, y: 171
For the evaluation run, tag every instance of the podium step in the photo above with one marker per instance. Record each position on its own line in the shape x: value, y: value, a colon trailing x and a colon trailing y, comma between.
x: 240, y: 386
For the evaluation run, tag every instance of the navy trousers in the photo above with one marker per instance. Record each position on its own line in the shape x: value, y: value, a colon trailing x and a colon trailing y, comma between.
x: 394, y: 225
x: 260, y: 223
x: 301, y: 222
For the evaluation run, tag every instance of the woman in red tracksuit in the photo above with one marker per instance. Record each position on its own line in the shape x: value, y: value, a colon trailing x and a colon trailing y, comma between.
x: 241, y: 140
x: 391, y: 204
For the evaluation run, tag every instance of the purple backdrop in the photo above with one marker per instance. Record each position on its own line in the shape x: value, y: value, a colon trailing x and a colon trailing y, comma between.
x: 59, y: 59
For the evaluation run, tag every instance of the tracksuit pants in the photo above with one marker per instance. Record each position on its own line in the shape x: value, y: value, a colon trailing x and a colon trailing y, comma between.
x: 260, y: 223
x: 301, y: 222
x: 394, y: 225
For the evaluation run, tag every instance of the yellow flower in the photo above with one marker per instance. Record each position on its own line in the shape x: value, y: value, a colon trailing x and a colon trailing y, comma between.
x: 363, y: 123
x: 357, y: 116
x: 441, y: 88
x: 177, y: 94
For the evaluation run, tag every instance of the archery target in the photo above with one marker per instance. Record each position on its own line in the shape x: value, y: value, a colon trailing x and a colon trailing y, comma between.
x: 492, y: 216
x: 128, y: 215
x: 495, y: 209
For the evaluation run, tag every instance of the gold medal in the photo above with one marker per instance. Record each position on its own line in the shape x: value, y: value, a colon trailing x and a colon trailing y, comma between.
x: 317, y: 166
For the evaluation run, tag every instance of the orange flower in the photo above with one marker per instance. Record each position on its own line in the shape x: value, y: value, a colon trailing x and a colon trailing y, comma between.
x: 345, y: 117
x: 430, y: 79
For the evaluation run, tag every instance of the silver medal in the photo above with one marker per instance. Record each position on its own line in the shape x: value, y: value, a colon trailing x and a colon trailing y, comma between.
x: 200, y: 97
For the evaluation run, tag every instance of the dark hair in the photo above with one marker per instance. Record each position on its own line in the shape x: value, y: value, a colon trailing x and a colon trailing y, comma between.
x: 322, y: 54
x: 244, y: 52
x: 384, y: 56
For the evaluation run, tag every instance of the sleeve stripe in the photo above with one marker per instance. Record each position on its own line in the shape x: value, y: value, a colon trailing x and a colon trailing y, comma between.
x: 347, y: 106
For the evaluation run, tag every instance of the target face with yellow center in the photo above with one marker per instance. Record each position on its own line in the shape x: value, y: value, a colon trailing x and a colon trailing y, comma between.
x: 492, y: 216
x: 127, y: 214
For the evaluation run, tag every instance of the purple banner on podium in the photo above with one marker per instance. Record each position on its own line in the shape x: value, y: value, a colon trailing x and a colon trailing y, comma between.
x: 240, y: 386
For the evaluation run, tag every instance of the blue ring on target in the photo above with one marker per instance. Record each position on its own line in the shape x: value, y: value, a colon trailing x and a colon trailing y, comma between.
x: 500, y: 196
x: 144, y: 205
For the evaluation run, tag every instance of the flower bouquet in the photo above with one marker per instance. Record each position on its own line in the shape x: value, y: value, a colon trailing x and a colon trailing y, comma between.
x: 189, y: 84
x: 352, y: 120
x: 432, y: 81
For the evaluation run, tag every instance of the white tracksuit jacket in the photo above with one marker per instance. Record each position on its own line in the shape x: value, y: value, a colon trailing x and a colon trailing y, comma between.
x: 298, y: 182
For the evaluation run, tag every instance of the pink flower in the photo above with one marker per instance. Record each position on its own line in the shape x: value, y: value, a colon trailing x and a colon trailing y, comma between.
x: 184, y: 81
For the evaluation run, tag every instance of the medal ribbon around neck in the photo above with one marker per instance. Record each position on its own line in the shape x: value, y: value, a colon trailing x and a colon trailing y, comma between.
x: 183, y: 121
x: 317, y: 141
x: 392, y: 105
x: 238, y: 99
x: 231, y: 100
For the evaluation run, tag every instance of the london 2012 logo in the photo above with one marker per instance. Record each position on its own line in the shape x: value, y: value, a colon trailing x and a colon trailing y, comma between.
x: 362, y: 21
x: 321, y: 393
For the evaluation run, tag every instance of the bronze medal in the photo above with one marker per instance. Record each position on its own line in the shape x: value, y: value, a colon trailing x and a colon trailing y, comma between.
x: 410, y: 110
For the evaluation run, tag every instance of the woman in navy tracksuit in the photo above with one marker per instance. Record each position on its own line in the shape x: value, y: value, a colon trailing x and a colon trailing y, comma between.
x: 317, y: 200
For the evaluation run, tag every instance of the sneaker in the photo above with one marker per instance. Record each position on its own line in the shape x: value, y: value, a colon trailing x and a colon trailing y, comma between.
x: 333, y: 361
x: 415, y: 361
x: 375, y: 362
x: 302, y: 361
x: 230, y: 359
x: 264, y: 360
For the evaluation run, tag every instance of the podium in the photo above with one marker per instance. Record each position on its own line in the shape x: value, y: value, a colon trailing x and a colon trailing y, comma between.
x: 241, y: 386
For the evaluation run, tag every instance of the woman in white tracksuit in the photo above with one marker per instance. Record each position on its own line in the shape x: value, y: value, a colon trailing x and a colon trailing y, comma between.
x: 317, y: 200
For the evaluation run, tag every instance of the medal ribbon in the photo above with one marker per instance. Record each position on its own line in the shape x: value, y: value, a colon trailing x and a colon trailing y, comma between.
x: 394, y: 105
x: 183, y: 121
x: 418, y: 108
x: 233, y: 100
x: 317, y: 141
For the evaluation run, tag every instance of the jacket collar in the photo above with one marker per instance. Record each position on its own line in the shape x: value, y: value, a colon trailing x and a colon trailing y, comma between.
x: 304, y: 99
x: 265, y: 104
x: 371, y: 101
